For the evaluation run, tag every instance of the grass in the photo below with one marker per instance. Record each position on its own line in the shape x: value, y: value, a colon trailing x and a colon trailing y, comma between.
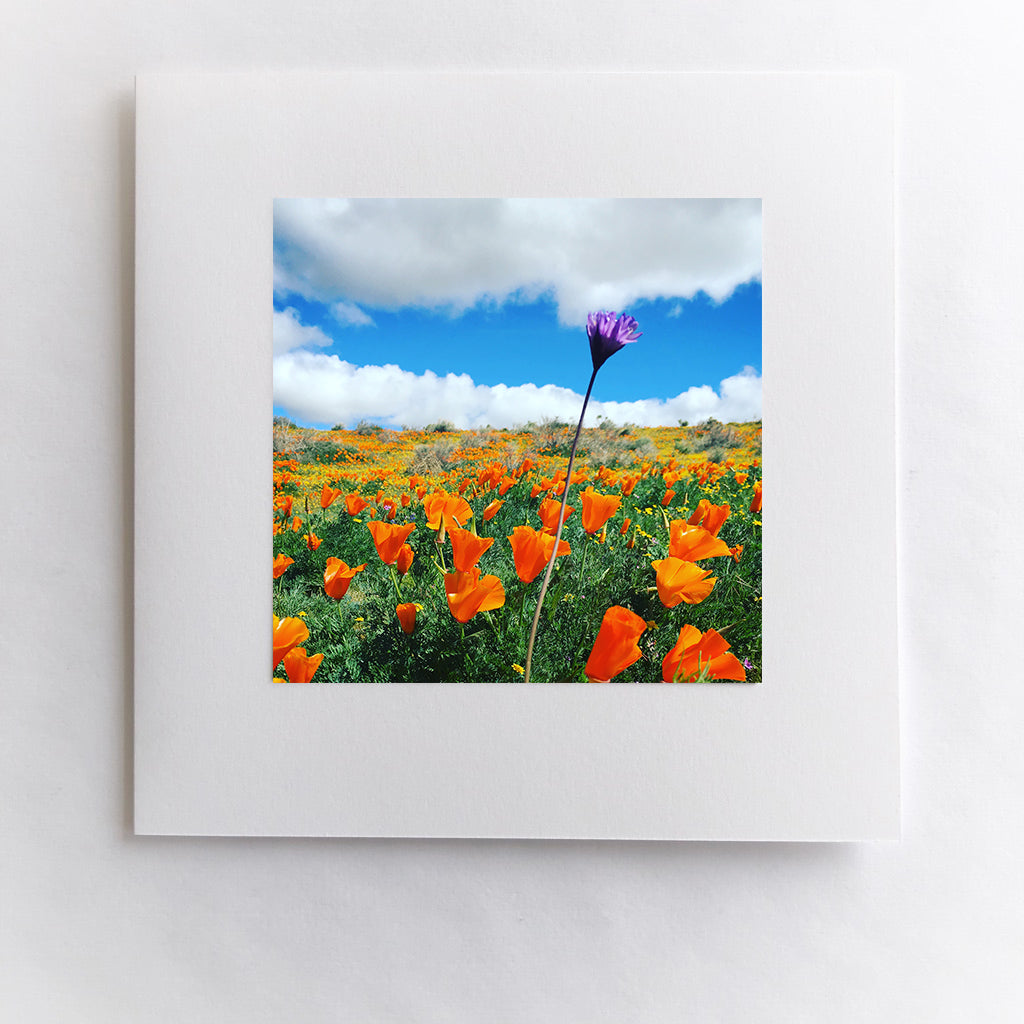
x: 360, y: 636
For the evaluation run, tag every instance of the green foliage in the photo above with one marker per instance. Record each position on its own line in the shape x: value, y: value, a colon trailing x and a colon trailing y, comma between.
x: 362, y: 641
x: 325, y: 451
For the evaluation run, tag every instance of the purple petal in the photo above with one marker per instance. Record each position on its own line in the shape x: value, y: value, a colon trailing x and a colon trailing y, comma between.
x: 608, y: 332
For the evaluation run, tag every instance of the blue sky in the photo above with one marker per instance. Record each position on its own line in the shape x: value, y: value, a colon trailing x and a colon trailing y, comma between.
x: 409, y: 311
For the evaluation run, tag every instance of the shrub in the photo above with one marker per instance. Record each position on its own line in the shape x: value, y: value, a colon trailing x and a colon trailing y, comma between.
x: 323, y: 450
x: 433, y: 459
x: 719, y: 435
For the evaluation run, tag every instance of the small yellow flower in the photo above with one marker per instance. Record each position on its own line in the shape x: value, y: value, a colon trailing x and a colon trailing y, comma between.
x: 360, y: 619
x: 519, y: 669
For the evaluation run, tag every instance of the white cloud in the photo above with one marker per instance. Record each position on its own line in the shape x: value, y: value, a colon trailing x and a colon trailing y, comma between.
x: 323, y: 389
x: 453, y: 254
x: 350, y: 315
x: 290, y: 333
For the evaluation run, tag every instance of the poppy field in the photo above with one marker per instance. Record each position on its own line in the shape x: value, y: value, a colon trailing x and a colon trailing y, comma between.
x: 422, y: 555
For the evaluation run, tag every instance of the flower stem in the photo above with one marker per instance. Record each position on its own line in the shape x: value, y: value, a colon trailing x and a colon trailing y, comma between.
x: 558, y: 532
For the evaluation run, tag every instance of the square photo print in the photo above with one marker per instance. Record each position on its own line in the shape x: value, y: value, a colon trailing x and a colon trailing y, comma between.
x: 517, y: 440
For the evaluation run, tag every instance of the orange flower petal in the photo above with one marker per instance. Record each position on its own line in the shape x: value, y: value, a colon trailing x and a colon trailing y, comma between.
x: 531, y: 551
x: 469, y: 593
x: 682, y: 582
x: 354, y: 504
x: 755, y: 502
x: 549, y: 511
x: 404, y: 562
x: 288, y: 633
x: 389, y: 538
x: 328, y: 495
x: 467, y: 548
x: 338, y: 576
x: 598, y: 508
x: 301, y: 667
x: 692, y: 543
x: 615, y: 647
x: 695, y: 653
x: 406, y: 616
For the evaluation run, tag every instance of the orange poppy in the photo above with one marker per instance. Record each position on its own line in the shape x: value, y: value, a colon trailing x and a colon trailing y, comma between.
x: 615, y: 648
x: 312, y: 540
x: 288, y: 633
x: 709, y: 516
x: 624, y: 528
x: 389, y: 539
x: 327, y: 496
x: 755, y: 502
x: 301, y: 667
x: 531, y: 550
x: 281, y: 563
x: 741, y: 478
x: 736, y: 552
x: 338, y: 576
x: 469, y: 593
x: 548, y: 512
x: 667, y: 498
x: 598, y: 508
x: 404, y: 562
x: 354, y: 504
x: 406, y: 616
x: 405, y: 500
x: 451, y: 509
x: 692, y: 543
x: 296, y: 524
x: 505, y: 483
x: 680, y: 581
x: 467, y: 548
x: 696, y: 654
x: 286, y: 505
x: 492, y: 510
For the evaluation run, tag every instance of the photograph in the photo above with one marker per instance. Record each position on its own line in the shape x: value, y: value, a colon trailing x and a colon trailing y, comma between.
x: 517, y: 440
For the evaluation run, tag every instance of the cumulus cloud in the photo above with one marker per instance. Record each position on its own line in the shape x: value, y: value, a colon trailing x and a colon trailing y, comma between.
x: 318, y: 388
x: 350, y: 315
x: 290, y: 333
x: 451, y: 255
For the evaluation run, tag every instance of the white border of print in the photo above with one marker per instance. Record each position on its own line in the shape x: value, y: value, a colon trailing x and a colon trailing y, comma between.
x: 810, y: 754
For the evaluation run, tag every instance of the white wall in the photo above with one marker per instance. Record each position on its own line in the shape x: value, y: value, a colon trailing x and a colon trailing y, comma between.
x: 98, y: 926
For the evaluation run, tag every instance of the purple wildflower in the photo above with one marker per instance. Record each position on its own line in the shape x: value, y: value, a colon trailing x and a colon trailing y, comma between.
x: 608, y: 332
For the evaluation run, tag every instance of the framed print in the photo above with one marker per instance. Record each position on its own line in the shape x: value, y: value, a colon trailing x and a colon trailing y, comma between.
x: 461, y: 513
x: 367, y: 310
